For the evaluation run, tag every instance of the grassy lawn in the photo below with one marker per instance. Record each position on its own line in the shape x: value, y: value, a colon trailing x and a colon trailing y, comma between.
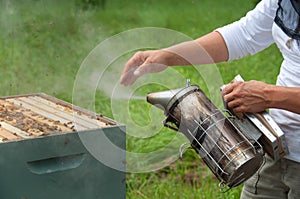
x: 44, y: 42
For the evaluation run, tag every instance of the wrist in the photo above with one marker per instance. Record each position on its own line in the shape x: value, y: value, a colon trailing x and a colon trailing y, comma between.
x: 276, y: 96
x: 173, y: 59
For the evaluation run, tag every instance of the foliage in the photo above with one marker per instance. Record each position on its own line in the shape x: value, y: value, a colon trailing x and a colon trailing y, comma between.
x: 44, y: 43
x: 91, y: 4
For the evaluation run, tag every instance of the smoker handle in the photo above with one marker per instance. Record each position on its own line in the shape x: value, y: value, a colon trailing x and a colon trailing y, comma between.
x: 55, y: 164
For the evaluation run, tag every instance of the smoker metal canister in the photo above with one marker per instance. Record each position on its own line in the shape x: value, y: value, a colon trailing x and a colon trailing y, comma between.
x: 222, y: 146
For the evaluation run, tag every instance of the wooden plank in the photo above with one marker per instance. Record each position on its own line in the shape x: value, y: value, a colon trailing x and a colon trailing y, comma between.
x: 67, y: 118
x: 15, y: 130
x: 8, y: 135
x: 2, y: 139
x: 54, y: 126
x: 89, y: 113
x: 68, y: 115
x: 47, y: 114
x: 80, y: 117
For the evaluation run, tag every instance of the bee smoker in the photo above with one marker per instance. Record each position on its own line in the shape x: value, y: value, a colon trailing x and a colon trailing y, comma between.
x: 213, y: 134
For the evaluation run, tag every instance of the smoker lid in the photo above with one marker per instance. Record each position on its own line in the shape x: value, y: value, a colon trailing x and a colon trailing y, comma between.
x: 167, y: 100
x: 182, y: 93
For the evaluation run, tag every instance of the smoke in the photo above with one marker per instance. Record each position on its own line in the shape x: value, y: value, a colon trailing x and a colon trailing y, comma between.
x: 43, y: 46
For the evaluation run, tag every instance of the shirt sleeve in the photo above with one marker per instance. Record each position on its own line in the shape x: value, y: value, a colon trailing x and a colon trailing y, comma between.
x: 251, y: 33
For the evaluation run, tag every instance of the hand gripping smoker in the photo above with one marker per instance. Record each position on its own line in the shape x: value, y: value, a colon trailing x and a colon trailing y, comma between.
x: 231, y: 147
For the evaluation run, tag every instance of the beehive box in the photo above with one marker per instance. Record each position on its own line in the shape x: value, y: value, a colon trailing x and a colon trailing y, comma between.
x: 44, y: 153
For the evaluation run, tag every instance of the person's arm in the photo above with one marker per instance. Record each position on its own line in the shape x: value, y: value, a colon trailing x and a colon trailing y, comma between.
x: 256, y: 96
x: 207, y: 49
x: 249, y: 35
x: 210, y: 48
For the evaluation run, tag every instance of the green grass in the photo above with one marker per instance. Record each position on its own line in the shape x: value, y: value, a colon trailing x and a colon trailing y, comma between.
x: 43, y: 44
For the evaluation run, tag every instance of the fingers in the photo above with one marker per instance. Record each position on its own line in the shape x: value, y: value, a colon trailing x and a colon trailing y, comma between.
x: 232, y: 96
x: 142, y: 63
x: 228, y: 92
x: 245, y: 96
x: 130, y: 73
x: 237, y: 106
x: 134, y: 73
x: 136, y: 60
x: 128, y: 77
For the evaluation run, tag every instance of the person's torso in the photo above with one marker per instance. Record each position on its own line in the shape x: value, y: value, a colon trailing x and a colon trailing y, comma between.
x: 289, y: 76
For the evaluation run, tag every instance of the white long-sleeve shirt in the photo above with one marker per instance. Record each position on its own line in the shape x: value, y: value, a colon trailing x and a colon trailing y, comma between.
x: 255, y: 32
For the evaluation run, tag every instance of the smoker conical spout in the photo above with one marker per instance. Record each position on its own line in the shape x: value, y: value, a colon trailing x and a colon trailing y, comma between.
x: 165, y: 100
x: 162, y: 98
